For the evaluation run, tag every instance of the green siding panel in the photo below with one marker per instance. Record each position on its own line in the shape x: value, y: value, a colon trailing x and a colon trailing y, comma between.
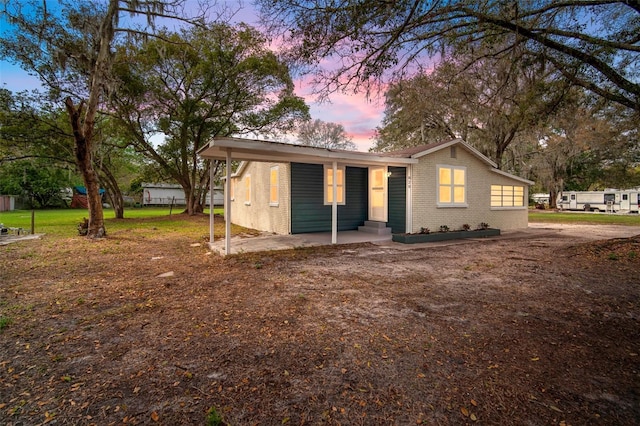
x: 397, y: 199
x: 308, y: 212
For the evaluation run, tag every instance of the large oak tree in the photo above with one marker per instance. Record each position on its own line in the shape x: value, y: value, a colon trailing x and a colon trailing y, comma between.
x: 69, y: 46
x: 491, y: 103
x: 197, y: 84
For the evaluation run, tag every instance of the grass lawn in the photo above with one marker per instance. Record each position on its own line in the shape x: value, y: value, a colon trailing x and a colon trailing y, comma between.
x: 64, y: 222
x: 587, y: 218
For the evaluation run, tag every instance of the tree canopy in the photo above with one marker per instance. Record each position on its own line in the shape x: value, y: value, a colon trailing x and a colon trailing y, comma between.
x: 490, y: 103
x: 321, y: 134
x: 594, y: 44
x: 196, y: 84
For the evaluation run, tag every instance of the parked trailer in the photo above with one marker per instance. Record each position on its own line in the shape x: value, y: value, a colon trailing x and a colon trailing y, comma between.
x: 164, y: 194
x: 610, y: 200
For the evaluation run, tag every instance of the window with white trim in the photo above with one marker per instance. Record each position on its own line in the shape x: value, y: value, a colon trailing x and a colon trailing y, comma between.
x: 452, y: 186
x: 247, y: 190
x: 328, y: 185
x: 507, y: 196
x: 273, y: 186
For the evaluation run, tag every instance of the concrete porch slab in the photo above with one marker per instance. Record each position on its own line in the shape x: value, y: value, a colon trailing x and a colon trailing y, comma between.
x: 534, y: 230
x: 244, y: 244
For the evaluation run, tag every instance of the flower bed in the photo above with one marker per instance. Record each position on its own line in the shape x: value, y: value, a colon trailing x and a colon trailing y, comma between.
x: 443, y: 236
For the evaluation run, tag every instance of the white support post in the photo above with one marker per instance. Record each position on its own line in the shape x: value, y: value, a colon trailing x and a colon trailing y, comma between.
x: 334, y: 206
x: 211, y: 187
x: 227, y: 207
x: 409, y: 213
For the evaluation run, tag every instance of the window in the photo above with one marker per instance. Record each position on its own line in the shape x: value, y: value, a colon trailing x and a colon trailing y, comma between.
x: 507, y: 196
x: 247, y: 190
x: 273, y: 186
x: 452, y: 183
x: 328, y: 185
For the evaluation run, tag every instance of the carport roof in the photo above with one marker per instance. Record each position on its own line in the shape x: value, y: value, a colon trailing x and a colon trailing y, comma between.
x: 261, y: 150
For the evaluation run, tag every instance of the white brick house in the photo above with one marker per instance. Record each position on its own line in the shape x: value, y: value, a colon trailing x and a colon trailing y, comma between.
x: 289, y: 189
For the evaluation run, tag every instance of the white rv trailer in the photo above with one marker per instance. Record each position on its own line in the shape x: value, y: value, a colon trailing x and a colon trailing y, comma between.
x: 609, y: 200
x: 540, y: 198
x: 165, y: 194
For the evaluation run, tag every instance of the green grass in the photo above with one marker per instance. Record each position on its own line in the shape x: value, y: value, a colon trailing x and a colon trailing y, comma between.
x: 64, y: 222
x: 586, y: 218
x: 4, y: 322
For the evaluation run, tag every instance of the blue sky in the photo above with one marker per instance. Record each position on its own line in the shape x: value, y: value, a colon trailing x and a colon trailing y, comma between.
x: 355, y: 112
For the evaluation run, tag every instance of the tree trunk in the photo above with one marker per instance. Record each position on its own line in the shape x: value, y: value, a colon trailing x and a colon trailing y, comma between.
x: 553, y: 195
x: 83, y: 127
x: 85, y: 165
x: 113, y: 189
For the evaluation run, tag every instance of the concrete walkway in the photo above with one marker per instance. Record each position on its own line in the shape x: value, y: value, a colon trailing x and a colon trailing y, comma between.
x: 8, y: 239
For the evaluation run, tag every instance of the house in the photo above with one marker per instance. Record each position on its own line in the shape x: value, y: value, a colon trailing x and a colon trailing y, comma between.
x: 290, y: 189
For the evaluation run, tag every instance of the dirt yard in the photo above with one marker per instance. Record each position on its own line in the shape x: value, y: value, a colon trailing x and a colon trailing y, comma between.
x: 542, y: 330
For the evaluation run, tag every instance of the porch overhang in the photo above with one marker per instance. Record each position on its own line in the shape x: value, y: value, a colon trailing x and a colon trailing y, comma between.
x: 260, y: 150
x: 229, y: 148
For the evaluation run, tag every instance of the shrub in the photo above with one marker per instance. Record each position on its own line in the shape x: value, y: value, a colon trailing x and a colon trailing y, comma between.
x: 444, y: 228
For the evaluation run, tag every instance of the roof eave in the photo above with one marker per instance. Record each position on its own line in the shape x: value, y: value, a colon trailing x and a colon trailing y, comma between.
x: 453, y: 142
x: 256, y: 150
x: 509, y: 175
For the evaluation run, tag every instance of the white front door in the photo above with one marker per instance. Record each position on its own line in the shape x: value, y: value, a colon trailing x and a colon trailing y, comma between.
x: 378, y: 194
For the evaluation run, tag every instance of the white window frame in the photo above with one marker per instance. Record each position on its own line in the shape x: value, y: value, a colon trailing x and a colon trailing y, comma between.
x: 342, y: 185
x: 502, y: 197
x: 247, y: 189
x: 274, y: 185
x: 452, y: 186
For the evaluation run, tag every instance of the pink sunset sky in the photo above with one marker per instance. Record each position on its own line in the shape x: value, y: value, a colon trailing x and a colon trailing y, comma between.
x: 358, y: 114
